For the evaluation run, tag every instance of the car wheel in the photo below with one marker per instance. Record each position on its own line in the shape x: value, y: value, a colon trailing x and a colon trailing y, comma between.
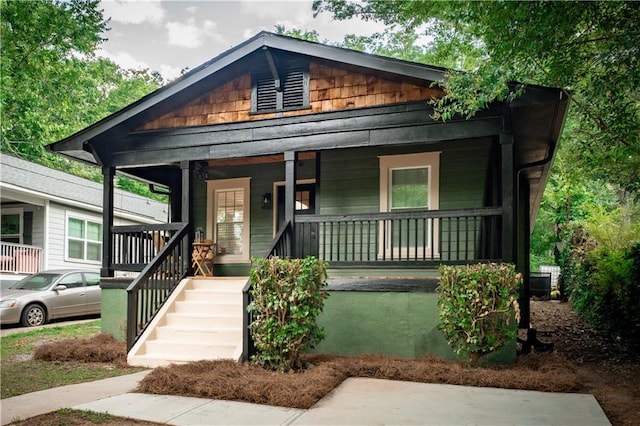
x: 33, y: 315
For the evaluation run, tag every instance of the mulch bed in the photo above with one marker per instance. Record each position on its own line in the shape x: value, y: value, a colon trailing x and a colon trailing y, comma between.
x: 229, y: 380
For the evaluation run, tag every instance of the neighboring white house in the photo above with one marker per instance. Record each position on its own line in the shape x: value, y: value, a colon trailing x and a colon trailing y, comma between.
x: 52, y: 220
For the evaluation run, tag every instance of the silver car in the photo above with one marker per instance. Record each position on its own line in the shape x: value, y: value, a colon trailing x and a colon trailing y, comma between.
x: 48, y: 295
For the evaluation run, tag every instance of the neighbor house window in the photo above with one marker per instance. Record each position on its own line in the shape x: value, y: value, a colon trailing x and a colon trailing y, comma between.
x: 84, y: 239
x: 11, y: 229
x: 228, y: 218
x: 409, y: 182
x: 293, y: 93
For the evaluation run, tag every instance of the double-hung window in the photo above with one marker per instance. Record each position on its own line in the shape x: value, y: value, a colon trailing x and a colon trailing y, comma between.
x: 409, y: 183
x: 84, y: 239
x: 228, y: 218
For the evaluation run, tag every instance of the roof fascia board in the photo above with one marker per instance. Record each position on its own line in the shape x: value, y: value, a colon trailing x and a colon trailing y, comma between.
x: 199, y: 73
x: 263, y: 39
x: 353, y: 57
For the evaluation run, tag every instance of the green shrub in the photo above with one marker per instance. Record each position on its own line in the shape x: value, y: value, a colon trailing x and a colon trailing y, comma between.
x: 287, y: 296
x: 608, y: 292
x: 478, y: 305
x: 601, y: 271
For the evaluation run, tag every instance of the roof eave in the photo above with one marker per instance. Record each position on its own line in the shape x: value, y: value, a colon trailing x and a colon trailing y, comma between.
x: 76, y: 141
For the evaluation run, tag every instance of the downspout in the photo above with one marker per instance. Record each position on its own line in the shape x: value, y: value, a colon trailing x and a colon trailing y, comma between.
x: 525, y: 319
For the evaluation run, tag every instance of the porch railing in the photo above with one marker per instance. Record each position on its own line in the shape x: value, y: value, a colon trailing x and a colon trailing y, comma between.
x: 157, y: 280
x: 133, y: 247
x: 20, y: 258
x: 424, y: 238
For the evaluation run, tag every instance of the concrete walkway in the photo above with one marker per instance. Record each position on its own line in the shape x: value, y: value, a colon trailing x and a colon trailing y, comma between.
x: 354, y: 402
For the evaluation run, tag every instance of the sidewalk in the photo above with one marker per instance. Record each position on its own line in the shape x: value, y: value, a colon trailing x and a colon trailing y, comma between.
x: 354, y: 402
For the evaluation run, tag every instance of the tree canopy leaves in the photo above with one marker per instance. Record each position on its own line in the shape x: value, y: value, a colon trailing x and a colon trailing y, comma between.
x: 589, y: 49
x: 52, y: 83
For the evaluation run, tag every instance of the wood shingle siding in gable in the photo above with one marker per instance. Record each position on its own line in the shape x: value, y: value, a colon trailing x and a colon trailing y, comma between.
x: 330, y: 89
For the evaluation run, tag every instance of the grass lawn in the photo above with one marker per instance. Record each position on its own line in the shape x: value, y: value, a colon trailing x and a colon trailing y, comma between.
x: 21, y: 374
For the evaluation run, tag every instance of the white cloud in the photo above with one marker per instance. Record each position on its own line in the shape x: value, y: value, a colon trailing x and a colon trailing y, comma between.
x: 191, y: 34
x: 294, y: 14
x: 123, y: 59
x: 133, y: 11
x: 168, y: 72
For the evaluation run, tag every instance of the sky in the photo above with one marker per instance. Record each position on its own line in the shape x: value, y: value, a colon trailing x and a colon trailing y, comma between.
x: 168, y: 36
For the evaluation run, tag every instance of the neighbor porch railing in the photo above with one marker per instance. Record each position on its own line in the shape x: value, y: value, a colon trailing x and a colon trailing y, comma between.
x: 20, y: 258
x: 157, y: 280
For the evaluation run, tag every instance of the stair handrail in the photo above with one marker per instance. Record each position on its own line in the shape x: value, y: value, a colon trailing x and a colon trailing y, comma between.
x: 161, y: 270
x: 280, y: 246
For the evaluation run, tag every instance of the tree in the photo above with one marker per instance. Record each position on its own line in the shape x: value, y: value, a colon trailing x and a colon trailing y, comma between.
x: 589, y: 49
x: 52, y: 84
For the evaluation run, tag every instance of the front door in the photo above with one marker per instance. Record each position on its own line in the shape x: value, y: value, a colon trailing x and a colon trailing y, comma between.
x: 306, y: 236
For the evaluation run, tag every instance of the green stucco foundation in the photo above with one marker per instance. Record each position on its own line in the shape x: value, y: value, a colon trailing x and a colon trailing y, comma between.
x: 389, y: 323
x: 366, y: 315
x: 114, y: 307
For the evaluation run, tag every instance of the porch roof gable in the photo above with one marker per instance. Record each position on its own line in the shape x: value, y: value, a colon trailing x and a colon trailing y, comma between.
x: 75, y: 146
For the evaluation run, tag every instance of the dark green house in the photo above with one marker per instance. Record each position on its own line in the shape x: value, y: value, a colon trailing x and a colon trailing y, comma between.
x: 283, y: 146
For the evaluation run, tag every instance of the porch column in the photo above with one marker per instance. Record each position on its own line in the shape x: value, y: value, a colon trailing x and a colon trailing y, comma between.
x: 186, y: 210
x: 508, y: 199
x: 524, y: 248
x: 108, y: 173
x: 290, y: 159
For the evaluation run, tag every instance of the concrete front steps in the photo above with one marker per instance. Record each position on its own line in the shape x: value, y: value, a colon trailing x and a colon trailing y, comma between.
x: 201, y: 320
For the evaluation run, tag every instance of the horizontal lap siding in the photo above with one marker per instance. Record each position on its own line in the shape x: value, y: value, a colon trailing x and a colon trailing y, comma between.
x: 350, y: 185
x: 262, y: 178
x: 330, y: 89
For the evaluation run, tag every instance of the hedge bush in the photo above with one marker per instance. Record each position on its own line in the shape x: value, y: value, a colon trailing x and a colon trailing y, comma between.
x: 287, y: 296
x: 478, y: 305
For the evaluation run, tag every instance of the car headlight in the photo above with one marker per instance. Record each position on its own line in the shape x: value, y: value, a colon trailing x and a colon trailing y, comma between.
x: 8, y: 303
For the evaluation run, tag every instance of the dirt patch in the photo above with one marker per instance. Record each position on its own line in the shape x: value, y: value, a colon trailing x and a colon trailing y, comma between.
x: 68, y: 417
x: 608, y: 368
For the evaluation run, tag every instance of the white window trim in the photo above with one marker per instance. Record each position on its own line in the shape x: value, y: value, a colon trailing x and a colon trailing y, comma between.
x: 19, y: 211
x: 407, y: 161
x: 214, y: 186
x: 86, y: 218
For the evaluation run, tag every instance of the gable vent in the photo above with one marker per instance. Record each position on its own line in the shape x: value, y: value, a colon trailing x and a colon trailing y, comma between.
x: 266, y: 99
x: 293, y: 88
x: 294, y: 94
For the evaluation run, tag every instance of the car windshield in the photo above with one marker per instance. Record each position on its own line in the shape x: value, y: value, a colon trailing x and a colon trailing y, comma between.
x: 36, y: 282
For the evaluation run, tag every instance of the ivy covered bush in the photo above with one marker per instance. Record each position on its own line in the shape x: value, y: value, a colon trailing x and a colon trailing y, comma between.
x: 288, y: 296
x: 478, y: 307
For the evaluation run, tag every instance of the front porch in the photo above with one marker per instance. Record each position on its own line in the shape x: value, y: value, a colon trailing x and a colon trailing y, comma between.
x: 379, y: 254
